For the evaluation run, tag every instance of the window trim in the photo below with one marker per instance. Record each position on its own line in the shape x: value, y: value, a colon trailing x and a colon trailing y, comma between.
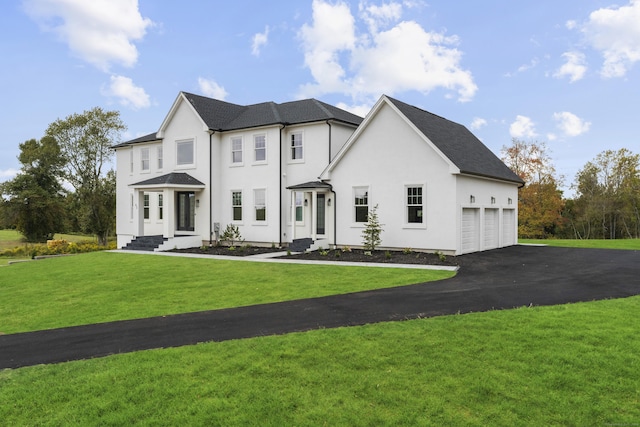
x: 131, y: 166
x: 180, y: 142
x: 234, y: 206
x: 264, y: 206
x: 406, y: 205
x: 233, y: 151
x: 146, y: 205
x: 356, y: 188
x: 301, y: 206
x: 160, y: 207
x: 255, y: 149
x: 145, y: 154
x: 291, y: 147
x: 160, y: 157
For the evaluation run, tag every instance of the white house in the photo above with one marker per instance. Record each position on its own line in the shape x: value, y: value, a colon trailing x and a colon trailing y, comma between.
x: 306, y: 172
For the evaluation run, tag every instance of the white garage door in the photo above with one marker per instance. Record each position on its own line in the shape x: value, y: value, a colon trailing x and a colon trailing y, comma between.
x: 491, y: 230
x: 508, y: 227
x: 470, y: 230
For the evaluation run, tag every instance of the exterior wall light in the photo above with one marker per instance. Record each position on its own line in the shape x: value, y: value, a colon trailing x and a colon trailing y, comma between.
x: 472, y: 199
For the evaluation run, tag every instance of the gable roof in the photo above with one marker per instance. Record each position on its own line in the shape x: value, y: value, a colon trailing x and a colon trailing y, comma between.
x: 456, y: 142
x: 223, y: 116
x: 171, y: 179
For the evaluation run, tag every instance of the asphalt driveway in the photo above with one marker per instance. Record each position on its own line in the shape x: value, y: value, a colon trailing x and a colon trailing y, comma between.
x: 498, y: 279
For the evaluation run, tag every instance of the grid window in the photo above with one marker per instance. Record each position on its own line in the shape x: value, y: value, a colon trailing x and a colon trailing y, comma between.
x: 146, y: 206
x: 361, y: 203
x: 160, y: 207
x: 160, y: 161
x: 184, y: 151
x: 260, y: 204
x: 236, y: 203
x: 296, y: 146
x: 260, y: 148
x: 144, y: 155
x: 299, y: 206
x: 414, y: 205
x: 236, y: 150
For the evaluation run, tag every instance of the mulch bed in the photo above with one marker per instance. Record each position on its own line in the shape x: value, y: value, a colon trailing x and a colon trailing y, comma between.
x: 338, y: 255
x: 384, y: 257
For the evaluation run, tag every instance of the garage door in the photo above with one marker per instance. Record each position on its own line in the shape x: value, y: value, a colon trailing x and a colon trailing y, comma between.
x: 470, y: 230
x: 491, y: 230
x: 508, y: 227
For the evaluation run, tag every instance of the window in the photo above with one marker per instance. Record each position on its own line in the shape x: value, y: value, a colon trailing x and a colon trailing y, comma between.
x: 296, y: 146
x: 414, y: 205
x: 131, y: 161
x: 160, y: 207
x: 184, y: 151
x: 260, y: 204
x: 144, y: 156
x: 299, y: 207
x: 236, y: 150
x: 361, y: 203
x: 160, y: 163
x: 236, y: 203
x: 260, y: 148
x: 146, y: 206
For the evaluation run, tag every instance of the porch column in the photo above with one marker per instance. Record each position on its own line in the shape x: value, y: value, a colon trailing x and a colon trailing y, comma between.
x: 138, y: 213
x: 314, y: 214
x: 293, y: 215
x: 168, y: 213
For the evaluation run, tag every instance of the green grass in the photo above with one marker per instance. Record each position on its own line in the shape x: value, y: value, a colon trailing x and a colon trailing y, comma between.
x: 632, y: 244
x: 573, y: 365
x: 99, y: 287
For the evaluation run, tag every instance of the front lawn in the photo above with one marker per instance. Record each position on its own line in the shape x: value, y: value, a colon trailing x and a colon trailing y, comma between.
x: 632, y: 244
x: 576, y: 364
x: 100, y: 287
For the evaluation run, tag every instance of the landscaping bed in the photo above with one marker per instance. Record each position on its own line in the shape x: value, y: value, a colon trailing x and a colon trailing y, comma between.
x: 239, y: 251
x: 378, y: 256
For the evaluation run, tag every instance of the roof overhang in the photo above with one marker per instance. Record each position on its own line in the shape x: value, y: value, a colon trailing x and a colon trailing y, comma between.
x: 312, y: 185
x: 171, y: 180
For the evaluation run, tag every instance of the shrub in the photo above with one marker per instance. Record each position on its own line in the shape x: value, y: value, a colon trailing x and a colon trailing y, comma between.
x: 371, y: 233
x: 232, y: 235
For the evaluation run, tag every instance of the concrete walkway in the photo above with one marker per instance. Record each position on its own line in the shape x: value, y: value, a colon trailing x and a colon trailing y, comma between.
x: 499, y: 279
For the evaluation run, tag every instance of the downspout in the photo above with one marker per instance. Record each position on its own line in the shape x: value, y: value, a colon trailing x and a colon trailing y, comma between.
x: 211, y: 187
x: 335, y: 219
x: 280, y: 188
x: 329, y: 123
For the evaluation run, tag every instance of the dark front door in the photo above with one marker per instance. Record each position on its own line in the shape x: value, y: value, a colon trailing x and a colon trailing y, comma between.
x: 320, y: 214
x: 186, y: 210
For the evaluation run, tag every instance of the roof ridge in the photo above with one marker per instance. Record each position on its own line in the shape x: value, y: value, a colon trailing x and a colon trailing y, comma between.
x: 322, y: 107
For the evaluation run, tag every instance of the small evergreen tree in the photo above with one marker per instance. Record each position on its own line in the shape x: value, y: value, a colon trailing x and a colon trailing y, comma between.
x: 371, y: 234
x: 231, y: 234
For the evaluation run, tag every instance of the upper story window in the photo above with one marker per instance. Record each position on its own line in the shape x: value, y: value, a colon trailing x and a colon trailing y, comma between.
x: 260, y: 204
x: 144, y: 159
x: 236, y: 202
x: 236, y: 150
x: 185, y: 152
x: 361, y: 203
x: 296, y: 146
x: 260, y: 148
x: 160, y: 160
x: 414, y: 205
x: 131, y: 161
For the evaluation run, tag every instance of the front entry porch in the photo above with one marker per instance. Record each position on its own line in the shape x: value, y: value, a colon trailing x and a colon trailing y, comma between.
x: 312, y: 214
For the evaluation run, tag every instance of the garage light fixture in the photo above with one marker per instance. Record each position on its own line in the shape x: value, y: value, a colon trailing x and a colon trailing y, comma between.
x: 472, y: 199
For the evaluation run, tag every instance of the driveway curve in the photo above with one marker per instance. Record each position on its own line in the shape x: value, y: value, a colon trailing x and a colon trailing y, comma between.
x: 498, y: 279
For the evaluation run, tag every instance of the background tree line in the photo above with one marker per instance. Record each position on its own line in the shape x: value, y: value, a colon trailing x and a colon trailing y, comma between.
x: 606, y: 204
x: 62, y: 185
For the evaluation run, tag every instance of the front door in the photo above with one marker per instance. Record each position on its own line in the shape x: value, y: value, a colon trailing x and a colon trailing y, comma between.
x: 186, y: 210
x: 320, y: 220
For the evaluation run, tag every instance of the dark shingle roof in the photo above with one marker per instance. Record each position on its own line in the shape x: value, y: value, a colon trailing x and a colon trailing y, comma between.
x: 146, y: 138
x: 223, y: 116
x: 311, y: 185
x: 456, y: 142
x: 171, y: 178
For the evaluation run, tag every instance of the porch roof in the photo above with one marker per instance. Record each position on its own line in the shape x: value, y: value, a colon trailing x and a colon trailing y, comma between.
x: 174, y: 179
x: 311, y: 185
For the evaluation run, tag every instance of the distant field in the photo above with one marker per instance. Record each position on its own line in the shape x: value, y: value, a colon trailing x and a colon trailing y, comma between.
x: 632, y: 244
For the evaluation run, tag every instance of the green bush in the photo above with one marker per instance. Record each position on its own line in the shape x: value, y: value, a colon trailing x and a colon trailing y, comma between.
x: 55, y: 247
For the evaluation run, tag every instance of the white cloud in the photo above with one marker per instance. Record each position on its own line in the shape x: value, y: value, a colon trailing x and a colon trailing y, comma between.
x: 477, y: 123
x: 127, y: 92
x: 570, y: 124
x: 523, y: 127
x: 401, y: 57
x: 616, y: 34
x: 571, y: 24
x: 212, y: 89
x: 100, y: 32
x: 574, y: 68
x: 8, y: 174
x: 259, y: 40
x: 359, y: 110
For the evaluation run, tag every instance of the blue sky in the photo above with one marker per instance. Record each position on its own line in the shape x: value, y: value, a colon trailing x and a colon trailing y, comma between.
x: 563, y: 72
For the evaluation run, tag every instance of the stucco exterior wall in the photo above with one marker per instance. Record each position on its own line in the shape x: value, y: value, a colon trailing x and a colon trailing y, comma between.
x: 387, y: 157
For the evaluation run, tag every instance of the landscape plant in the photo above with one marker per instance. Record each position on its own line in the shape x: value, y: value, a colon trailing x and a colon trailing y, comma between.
x: 231, y: 235
x: 373, y: 229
